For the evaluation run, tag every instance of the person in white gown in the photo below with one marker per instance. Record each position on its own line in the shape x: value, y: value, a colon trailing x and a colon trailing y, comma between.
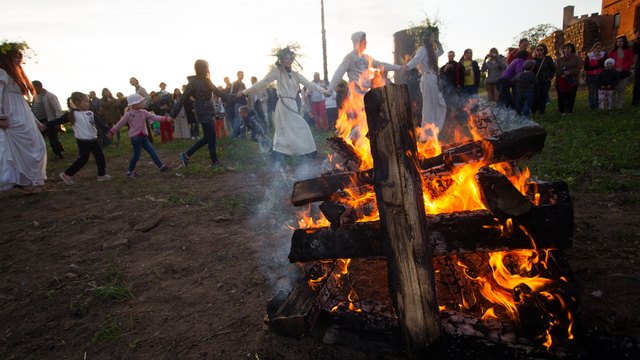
x: 181, y: 123
x: 292, y: 133
x: 23, y: 155
x: 434, y: 109
x: 357, y: 65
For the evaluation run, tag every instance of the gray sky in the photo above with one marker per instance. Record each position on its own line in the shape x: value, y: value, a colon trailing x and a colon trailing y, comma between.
x: 89, y: 45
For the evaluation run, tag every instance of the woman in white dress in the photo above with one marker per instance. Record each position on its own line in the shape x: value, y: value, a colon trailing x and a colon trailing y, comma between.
x: 434, y: 109
x: 23, y: 155
x: 181, y: 124
x: 292, y: 134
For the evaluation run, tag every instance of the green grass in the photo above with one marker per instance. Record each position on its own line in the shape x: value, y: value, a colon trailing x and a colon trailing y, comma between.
x: 116, y: 287
x: 597, y: 150
x: 108, y: 330
x: 242, y: 155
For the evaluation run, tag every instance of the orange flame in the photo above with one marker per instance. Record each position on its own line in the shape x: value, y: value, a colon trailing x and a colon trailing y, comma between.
x: 461, y: 193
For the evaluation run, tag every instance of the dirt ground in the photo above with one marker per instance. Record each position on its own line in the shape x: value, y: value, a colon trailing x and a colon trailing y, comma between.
x: 202, y: 275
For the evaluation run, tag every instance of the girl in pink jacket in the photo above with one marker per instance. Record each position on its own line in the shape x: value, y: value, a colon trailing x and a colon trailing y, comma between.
x: 136, y: 118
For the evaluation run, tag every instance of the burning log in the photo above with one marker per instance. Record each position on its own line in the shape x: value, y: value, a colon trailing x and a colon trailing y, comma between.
x: 550, y: 226
x: 518, y: 144
x: 324, y: 187
x: 499, y: 195
x: 398, y: 186
x: 548, y: 192
x: 453, y: 275
x: 299, y: 312
x: 351, y: 160
x: 341, y: 213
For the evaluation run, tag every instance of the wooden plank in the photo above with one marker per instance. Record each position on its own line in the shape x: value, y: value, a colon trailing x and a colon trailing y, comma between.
x: 299, y: 312
x: 550, y: 226
x: 351, y: 160
x: 499, y: 195
x: 518, y: 144
x: 397, y: 183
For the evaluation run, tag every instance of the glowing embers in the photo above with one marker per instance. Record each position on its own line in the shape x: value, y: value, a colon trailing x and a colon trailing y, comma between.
x: 525, y: 291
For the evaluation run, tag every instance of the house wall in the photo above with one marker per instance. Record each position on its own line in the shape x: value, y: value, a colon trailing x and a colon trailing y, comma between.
x: 629, y: 11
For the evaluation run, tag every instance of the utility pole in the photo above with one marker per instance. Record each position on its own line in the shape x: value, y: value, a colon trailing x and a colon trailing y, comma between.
x: 324, y: 43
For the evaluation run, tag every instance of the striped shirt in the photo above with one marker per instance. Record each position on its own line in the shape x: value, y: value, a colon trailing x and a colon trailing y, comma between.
x: 38, y: 108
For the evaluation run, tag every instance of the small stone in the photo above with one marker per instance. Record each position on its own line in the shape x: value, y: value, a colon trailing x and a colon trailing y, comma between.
x: 36, y: 224
x: 71, y: 276
x: 220, y: 219
x: 148, y: 223
x: 331, y: 336
x: 116, y: 244
x: 597, y: 293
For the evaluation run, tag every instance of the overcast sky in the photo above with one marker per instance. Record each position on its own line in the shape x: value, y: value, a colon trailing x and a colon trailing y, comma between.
x: 89, y: 45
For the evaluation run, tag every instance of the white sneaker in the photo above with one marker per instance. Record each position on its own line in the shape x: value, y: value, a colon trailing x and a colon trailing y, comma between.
x: 104, y: 177
x: 66, y: 178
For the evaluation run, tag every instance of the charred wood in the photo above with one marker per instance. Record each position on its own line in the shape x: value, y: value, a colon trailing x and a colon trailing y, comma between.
x: 324, y: 187
x: 549, y: 192
x: 453, y: 275
x: 341, y: 212
x: 550, y: 226
x: 518, y: 144
x: 499, y: 195
x: 346, y: 151
x: 299, y: 312
x: 397, y: 184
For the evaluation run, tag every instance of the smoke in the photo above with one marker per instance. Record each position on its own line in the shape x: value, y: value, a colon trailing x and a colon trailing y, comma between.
x: 277, y: 216
x: 510, y: 120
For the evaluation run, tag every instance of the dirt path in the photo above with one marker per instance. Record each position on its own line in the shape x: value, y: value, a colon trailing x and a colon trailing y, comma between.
x: 202, y: 275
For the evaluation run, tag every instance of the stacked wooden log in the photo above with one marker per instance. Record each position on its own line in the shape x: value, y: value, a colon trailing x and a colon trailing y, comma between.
x: 407, y: 237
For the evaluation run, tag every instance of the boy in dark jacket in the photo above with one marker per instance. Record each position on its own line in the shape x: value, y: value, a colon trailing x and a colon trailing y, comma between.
x: 251, y: 122
x: 606, y: 82
x: 525, y: 82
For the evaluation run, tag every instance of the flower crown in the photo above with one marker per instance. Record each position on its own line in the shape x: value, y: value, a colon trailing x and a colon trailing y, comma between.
x: 21, y: 46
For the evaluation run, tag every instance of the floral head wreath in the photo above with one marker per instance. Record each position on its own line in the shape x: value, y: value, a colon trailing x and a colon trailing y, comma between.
x: 280, y: 52
x: 21, y: 46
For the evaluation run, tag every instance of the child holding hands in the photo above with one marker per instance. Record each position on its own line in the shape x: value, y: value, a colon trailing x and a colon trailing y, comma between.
x: 136, y: 117
x: 84, y: 128
x: 606, y: 82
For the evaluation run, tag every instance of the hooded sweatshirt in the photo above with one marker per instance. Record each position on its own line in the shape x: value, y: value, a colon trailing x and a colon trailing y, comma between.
x: 357, y: 66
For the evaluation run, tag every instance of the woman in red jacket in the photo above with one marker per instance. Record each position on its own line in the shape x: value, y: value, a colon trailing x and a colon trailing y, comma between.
x: 624, y: 58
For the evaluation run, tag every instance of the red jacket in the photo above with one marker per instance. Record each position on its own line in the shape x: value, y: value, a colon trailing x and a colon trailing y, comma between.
x: 627, y: 59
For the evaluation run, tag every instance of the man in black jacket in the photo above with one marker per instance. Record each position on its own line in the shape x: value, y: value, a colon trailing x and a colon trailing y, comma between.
x: 452, y: 77
x: 237, y: 86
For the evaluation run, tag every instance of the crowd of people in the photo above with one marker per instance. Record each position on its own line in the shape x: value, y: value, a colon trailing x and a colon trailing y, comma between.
x: 523, y: 79
x: 520, y: 81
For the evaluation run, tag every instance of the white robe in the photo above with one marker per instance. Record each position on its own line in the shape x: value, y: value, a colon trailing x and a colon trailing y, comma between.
x: 434, y: 109
x: 292, y: 134
x: 181, y: 126
x: 357, y: 66
x: 23, y: 155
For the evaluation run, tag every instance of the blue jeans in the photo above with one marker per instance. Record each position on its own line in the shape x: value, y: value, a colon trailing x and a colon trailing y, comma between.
x: 106, y: 141
x: 208, y: 138
x: 270, y: 116
x: 139, y: 143
x: 593, y: 91
x: 195, y: 130
x: 526, y: 100
x: 238, y: 130
x: 470, y: 90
